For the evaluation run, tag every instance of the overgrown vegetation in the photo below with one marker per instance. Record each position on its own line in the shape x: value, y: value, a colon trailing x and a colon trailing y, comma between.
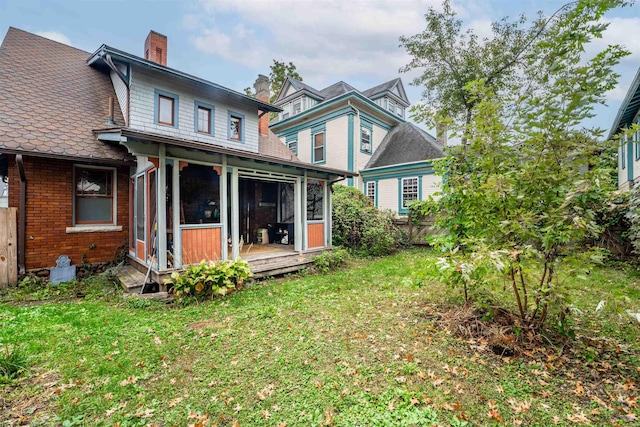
x: 360, y: 346
x: 330, y: 260
x: 208, y: 279
x: 13, y: 362
x: 525, y: 185
x: 359, y: 226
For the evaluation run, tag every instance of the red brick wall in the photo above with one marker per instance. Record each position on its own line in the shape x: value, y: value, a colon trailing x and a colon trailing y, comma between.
x: 49, y: 213
x: 155, y: 48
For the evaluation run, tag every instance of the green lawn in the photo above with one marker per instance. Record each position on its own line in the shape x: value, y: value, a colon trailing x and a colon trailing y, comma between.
x: 359, y: 347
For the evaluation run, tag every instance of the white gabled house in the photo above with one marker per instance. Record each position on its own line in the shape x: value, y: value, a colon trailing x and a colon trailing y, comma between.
x: 363, y: 132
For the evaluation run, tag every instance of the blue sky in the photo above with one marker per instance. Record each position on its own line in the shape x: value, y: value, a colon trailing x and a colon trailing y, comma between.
x: 230, y: 42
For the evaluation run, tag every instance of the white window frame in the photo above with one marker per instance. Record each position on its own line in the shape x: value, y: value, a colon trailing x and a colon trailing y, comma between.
x: 371, y: 191
x: 405, y: 187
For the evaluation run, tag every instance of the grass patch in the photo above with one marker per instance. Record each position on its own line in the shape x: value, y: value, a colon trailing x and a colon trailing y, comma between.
x: 360, y: 346
x: 13, y: 362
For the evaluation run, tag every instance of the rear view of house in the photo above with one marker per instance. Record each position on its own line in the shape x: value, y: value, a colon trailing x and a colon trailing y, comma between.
x: 110, y: 152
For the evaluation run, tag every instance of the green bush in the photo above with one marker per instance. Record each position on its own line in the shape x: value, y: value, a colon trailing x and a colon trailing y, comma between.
x: 330, y: 260
x: 208, y: 279
x: 13, y: 362
x: 359, y: 226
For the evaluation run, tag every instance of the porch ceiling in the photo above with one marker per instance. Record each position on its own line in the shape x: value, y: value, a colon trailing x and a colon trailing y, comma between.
x: 124, y: 134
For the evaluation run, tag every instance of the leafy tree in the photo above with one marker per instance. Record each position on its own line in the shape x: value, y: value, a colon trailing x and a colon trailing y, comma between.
x: 524, y: 187
x: 278, y: 74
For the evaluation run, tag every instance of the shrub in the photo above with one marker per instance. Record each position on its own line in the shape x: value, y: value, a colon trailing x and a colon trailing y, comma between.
x: 209, y: 279
x: 13, y: 362
x: 330, y: 260
x: 358, y: 225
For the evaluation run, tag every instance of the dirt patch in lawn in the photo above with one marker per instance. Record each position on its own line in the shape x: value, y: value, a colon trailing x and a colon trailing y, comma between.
x: 30, y: 400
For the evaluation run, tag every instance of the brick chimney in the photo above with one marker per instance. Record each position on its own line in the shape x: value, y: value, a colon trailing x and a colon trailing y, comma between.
x: 262, y: 93
x: 155, y: 48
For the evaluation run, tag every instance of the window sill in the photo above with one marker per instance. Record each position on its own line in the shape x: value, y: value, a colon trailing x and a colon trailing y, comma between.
x: 94, y: 229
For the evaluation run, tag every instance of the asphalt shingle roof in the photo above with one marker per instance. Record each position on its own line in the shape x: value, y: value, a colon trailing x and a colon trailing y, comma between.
x: 336, y: 90
x: 51, y: 100
x: 405, y: 143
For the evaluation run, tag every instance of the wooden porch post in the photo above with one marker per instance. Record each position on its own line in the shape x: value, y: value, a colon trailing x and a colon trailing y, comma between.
x: 175, y: 200
x: 327, y: 214
x: 235, y: 214
x: 224, y: 202
x: 305, y: 242
x: 161, y: 209
x: 297, y: 215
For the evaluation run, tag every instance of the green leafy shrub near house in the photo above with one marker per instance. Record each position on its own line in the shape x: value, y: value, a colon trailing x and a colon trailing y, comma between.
x: 359, y: 226
x: 330, y: 260
x: 209, y: 279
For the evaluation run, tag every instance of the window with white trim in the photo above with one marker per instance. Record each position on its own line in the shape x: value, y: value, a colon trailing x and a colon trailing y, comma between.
x: 293, y: 146
x: 318, y: 147
x: 623, y: 152
x: 391, y: 106
x: 297, y: 106
x: 371, y: 191
x: 94, y: 198
x: 365, y: 139
x: 409, y: 190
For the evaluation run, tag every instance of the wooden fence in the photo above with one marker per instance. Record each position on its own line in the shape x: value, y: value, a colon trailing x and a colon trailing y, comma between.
x: 416, y: 233
x: 8, y: 248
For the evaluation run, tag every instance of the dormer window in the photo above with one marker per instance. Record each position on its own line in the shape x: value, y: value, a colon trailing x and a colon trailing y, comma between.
x: 297, y: 106
x: 391, y: 106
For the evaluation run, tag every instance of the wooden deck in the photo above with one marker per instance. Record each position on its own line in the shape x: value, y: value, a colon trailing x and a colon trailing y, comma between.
x: 264, y: 260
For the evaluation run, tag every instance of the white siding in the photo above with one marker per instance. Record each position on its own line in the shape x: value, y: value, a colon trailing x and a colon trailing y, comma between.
x: 623, y: 184
x: 430, y: 184
x: 304, y: 145
x: 122, y: 94
x: 388, y: 194
x: 142, y: 114
x: 337, y: 143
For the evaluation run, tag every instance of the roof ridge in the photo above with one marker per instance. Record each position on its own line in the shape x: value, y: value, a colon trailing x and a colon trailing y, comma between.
x: 48, y: 39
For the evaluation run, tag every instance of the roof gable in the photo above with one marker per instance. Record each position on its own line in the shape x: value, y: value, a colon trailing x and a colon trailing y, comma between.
x: 392, y: 87
x: 51, y: 100
x: 629, y: 107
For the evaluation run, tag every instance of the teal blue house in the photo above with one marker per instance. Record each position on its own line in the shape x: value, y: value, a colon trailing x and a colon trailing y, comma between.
x: 363, y: 132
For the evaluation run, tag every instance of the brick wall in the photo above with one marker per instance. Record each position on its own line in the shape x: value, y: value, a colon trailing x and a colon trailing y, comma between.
x: 49, y: 213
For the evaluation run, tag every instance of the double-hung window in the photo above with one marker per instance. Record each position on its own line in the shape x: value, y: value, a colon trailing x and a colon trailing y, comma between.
x: 166, y: 108
x: 94, y: 198
x: 409, y: 191
x: 204, y: 114
x: 371, y: 191
x: 236, y: 127
x: 297, y: 106
x: 292, y: 143
x: 318, y: 147
x: 365, y: 139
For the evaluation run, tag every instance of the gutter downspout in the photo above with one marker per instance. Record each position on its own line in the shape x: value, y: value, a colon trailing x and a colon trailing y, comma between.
x: 112, y: 66
x: 22, y: 232
x: 356, y: 149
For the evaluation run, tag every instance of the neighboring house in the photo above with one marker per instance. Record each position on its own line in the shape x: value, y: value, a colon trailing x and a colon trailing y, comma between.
x: 107, y: 148
x: 629, y: 149
x: 342, y: 127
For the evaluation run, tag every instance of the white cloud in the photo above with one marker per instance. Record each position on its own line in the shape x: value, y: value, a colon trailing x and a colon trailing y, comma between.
x: 326, y: 40
x: 55, y: 36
